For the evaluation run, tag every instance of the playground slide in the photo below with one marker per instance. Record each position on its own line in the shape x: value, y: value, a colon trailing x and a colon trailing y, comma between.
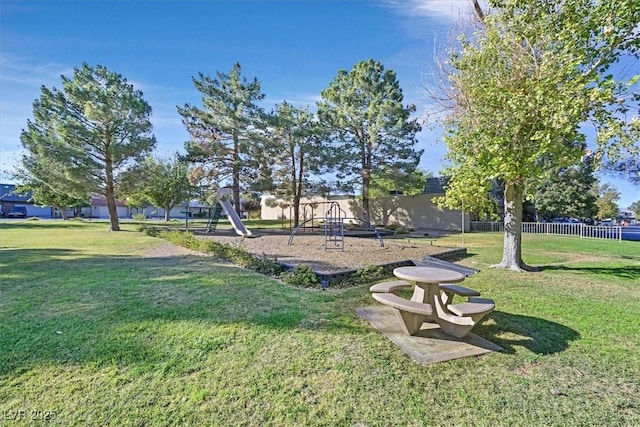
x: 235, y: 220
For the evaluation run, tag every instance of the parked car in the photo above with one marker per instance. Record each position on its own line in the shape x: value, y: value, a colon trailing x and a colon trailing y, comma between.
x: 565, y: 220
x: 17, y: 212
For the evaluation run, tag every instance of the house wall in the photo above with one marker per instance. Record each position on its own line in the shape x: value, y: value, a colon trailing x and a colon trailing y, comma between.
x: 32, y: 210
x: 39, y: 211
x: 98, y: 211
x: 417, y: 212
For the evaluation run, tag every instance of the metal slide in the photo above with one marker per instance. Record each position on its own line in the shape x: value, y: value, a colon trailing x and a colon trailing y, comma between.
x: 235, y: 220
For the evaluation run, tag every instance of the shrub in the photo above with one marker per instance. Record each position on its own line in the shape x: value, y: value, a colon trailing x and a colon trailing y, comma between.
x: 139, y: 217
x: 264, y: 265
x: 302, y: 276
x: 234, y: 253
x: 182, y: 238
x: 368, y: 274
x: 149, y: 230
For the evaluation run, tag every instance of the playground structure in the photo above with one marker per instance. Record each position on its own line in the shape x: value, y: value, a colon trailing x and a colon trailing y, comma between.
x: 223, y: 205
x: 334, y: 227
x: 234, y: 219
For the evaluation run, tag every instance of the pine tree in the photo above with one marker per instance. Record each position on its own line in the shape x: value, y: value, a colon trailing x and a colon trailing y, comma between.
x: 87, y: 133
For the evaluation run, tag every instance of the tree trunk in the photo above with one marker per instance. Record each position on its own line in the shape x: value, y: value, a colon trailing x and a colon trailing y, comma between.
x: 111, y: 199
x: 236, y: 192
x: 296, y: 211
x: 366, y: 183
x: 236, y: 173
x: 296, y: 200
x: 167, y: 211
x: 113, y: 211
x: 298, y: 176
x: 63, y: 213
x: 512, y: 251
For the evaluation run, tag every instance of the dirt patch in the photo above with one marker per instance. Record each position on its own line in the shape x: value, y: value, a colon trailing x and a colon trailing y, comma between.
x: 166, y: 249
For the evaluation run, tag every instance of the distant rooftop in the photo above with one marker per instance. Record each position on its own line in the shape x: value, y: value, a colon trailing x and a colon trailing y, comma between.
x: 7, y: 194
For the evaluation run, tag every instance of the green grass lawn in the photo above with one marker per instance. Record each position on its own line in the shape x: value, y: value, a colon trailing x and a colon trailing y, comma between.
x: 95, y: 332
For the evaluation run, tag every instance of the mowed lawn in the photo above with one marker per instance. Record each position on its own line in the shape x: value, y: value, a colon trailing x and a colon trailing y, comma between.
x: 95, y: 331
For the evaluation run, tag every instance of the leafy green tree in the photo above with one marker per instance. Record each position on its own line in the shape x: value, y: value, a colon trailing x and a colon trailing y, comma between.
x: 88, y: 131
x: 293, y: 137
x: 224, y: 139
x: 568, y: 192
x: 252, y: 207
x: 521, y: 86
x: 408, y: 185
x: 163, y: 183
x: 43, y: 195
x: 608, y: 197
x: 635, y: 207
x: 370, y: 132
x: 41, y: 176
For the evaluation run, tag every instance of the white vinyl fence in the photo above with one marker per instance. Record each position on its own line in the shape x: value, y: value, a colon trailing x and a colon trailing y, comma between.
x: 557, y: 229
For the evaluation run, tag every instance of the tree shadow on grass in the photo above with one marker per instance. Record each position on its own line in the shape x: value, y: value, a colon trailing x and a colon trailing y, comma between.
x: 22, y: 224
x: 538, y: 335
x: 624, y: 272
x: 23, y: 255
x: 62, y: 308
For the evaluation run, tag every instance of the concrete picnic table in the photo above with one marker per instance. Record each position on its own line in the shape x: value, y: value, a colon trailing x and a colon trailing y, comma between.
x: 428, y: 305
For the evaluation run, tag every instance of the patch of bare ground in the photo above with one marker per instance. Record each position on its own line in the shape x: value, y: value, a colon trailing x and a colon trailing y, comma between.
x: 310, y: 250
x: 164, y: 249
x: 575, y: 258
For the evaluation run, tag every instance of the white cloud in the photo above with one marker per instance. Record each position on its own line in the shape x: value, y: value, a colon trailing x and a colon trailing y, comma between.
x: 25, y: 72
x: 20, y: 82
x: 448, y: 9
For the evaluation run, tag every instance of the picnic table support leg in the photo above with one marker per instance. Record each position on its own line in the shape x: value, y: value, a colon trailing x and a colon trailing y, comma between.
x: 451, y: 324
x: 419, y: 294
x: 410, y: 322
x: 454, y: 329
x: 446, y: 298
x: 426, y: 295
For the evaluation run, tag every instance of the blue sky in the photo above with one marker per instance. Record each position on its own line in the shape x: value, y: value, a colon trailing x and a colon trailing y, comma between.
x: 294, y: 48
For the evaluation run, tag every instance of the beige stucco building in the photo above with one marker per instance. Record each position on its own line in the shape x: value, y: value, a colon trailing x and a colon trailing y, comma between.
x: 412, y: 212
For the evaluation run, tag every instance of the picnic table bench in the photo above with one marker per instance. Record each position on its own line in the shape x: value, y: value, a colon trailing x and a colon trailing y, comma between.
x: 389, y: 286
